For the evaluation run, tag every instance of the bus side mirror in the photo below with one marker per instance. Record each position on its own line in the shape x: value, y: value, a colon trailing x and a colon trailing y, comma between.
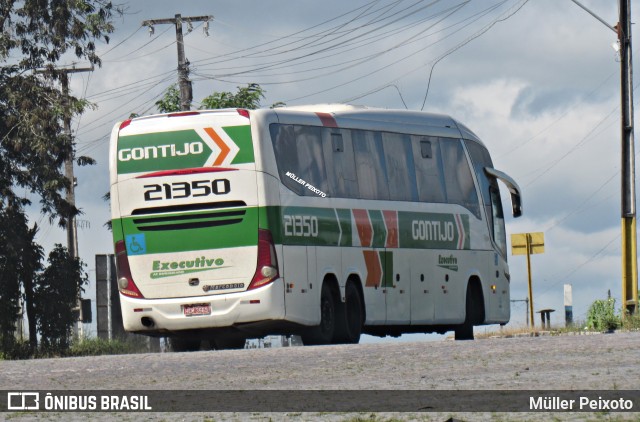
x: 514, y: 189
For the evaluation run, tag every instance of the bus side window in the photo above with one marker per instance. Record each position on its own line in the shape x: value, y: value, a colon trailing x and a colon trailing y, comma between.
x: 298, y: 151
x: 400, y: 169
x: 370, y: 165
x: 285, y: 149
x: 498, y: 230
x: 458, y: 179
x: 428, y: 169
x: 340, y: 164
x: 490, y: 193
x: 310, y: 158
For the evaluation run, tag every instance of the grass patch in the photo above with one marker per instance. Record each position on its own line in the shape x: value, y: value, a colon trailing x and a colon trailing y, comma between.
x: 20, y: 349
x: 97, y: 347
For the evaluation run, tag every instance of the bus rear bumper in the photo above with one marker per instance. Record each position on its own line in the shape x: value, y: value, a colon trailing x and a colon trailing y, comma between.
x: 158, y: 316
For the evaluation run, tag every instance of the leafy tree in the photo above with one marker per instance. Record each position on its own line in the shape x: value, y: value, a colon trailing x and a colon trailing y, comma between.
x: 170, y: 101
x: 20, y: 261
x: 28, y: 266
x: 36, y: 35
x: 9, y: 283
x: 57, y: 289
x: 34, y: 145
x: 248, y: 97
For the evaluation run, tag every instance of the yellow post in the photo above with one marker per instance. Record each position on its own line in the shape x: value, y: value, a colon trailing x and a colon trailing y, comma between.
x: 528, y: 236
x: 528, y: 244
x: 629, y: 266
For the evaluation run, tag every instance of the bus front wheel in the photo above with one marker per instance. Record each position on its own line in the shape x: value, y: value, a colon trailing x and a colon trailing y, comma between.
x: 474, y: 312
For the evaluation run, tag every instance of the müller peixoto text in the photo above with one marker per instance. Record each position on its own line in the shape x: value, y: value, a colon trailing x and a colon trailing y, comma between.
x: 580, y: 403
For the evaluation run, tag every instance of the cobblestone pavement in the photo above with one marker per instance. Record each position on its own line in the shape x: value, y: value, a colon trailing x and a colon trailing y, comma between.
x: 580, y: 362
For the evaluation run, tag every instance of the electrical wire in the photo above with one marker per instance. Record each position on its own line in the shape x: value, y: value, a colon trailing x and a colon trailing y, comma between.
x: 355, y: 62
x: 362, y: 77
x: 467, y: 41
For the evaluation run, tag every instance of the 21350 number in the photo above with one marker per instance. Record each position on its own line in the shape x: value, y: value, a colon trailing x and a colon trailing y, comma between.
x: 179, y: 190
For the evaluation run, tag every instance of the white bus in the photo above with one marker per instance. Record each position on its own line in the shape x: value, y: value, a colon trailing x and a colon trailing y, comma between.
x: 322, y: 221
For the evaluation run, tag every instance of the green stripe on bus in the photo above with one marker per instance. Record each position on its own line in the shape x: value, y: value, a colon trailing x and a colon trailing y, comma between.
x: 313, y: 226
x: 241, y: 135
x: 304, y: 226
x: 379, y: 229
x: 344, y: 220
x: 179, y: 238
x: 386, y: 260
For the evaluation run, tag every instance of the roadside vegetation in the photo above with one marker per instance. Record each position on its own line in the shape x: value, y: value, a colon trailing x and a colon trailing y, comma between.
x: 602, y: 316
x: 78, y: 347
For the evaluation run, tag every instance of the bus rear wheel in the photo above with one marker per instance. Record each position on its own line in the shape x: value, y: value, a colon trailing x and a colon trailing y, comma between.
x: 350, y: 319
x: 323, y: 333
x: 228, y: 342
x: 184, y: 344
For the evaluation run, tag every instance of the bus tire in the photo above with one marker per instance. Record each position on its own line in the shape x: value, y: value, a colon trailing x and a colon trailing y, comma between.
x: 323, y: 333
x: 474, y: 312
x: 184, y: 344
x: 349, y: 322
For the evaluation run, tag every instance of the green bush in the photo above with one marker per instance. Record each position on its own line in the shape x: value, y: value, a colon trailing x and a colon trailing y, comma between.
x: 97, y: 346
x: 20, y: 349
x: 601, y: 315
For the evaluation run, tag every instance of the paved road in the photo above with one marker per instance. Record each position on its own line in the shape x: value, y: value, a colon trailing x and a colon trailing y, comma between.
x: 584, y: 362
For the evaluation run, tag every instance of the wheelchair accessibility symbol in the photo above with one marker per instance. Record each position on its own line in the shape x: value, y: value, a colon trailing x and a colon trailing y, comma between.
x: 136, y: 244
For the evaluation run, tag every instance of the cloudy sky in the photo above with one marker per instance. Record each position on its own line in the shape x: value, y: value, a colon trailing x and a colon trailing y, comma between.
x: 538, y: 81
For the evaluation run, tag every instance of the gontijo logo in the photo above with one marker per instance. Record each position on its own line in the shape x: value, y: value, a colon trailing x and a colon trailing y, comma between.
x: 162, y: 151
x: 191, y: 148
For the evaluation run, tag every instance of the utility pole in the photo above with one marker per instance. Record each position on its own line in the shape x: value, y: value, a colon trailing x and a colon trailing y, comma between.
x: 72, y: 229
x: 186, y: 91
x: 629, y: 237
x: 628, y: 188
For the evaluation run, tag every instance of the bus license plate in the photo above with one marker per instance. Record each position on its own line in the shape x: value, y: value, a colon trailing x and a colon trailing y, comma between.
x: 197, y: 309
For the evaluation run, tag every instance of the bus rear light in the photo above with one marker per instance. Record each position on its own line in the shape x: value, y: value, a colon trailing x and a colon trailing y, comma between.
x: 243, y: 112
x: 125, y: 281
x: 267, y: 263
x: 125, y: 124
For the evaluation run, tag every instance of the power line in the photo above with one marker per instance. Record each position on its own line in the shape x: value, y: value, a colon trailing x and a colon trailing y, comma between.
x: 465, y: 42
x: 364, y: 76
